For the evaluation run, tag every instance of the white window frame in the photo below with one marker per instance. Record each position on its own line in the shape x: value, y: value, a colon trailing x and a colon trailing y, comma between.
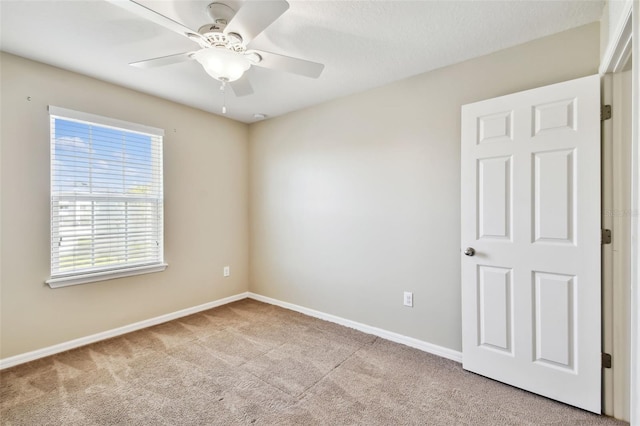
x: 100, y: 274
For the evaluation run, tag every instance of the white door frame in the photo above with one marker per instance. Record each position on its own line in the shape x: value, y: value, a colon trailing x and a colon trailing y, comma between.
x: 635, y: 170
x: 617, y: 52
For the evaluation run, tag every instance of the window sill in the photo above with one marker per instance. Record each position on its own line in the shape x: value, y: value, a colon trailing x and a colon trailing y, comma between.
x: 105, y: 275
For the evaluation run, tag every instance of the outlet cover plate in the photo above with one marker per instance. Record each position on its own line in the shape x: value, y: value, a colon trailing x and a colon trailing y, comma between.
x: 408, y: 299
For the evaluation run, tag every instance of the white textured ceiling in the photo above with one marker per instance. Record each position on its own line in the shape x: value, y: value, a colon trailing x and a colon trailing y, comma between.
x: 363, y: 44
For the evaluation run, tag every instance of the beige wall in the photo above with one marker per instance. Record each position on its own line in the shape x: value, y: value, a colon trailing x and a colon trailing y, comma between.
x: 206, y: 211
x: 357, y: 200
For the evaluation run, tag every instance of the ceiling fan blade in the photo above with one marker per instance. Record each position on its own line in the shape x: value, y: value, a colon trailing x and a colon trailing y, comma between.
x: 254, y: 17
x: 286, y: 63
x: 241, y: 87
x: 153, y: 16
x: 163, y: 60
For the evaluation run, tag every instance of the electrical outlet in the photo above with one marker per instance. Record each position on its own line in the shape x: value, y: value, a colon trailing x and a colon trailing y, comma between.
x: 408, y: 299
x: 226, y: 271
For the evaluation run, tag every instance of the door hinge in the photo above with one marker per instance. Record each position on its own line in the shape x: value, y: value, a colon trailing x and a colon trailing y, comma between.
x: 605, y: 237
x: 605, y: 112
x: 606, y: 360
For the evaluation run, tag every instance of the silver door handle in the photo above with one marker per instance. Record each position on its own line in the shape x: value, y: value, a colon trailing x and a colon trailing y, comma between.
x: 470, y: 251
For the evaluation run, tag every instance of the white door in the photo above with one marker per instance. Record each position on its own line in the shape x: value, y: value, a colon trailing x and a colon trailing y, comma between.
x: 531, y: 211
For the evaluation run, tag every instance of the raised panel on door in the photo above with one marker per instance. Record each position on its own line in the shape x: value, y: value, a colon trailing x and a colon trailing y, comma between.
x: 554, y: 116
x: 496, y: 127
x: 554, y: 196
x: 554, y: 320
x: 494, y: 198
x: 495, y: 316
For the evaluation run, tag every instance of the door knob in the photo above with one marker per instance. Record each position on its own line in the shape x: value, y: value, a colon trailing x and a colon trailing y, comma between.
x: 470, y: 251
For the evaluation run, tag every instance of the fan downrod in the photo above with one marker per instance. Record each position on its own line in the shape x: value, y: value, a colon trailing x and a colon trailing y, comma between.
x: 220, y: 13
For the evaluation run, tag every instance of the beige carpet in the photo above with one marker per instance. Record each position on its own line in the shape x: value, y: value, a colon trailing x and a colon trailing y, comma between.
x: 253, y: 363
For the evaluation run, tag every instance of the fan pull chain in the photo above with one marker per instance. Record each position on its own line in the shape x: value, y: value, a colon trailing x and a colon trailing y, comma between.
x: 224, y: 96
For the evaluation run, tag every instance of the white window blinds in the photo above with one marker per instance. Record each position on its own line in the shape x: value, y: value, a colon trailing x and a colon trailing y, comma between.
x: 106, y: 198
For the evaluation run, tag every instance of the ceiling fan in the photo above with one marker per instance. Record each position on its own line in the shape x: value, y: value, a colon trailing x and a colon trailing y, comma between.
x: 223, y: 52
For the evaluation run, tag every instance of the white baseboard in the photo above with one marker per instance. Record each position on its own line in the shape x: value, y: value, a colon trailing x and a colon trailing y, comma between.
x: 76, y: 343
x: 388, y: 335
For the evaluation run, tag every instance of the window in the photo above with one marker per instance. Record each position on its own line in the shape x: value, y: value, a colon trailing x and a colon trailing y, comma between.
x: 106, y: 198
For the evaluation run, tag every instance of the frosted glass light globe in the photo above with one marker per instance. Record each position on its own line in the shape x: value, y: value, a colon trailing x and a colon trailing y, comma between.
x: 222, y: 64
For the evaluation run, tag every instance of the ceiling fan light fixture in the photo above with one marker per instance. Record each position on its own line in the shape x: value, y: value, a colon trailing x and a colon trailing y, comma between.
x: 222, y: 64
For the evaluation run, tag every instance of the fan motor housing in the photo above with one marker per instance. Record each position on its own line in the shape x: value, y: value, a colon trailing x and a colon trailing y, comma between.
x: 216, y: 38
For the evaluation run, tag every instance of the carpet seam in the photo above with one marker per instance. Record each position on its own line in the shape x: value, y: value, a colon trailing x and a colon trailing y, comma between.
x: 301, y: 394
